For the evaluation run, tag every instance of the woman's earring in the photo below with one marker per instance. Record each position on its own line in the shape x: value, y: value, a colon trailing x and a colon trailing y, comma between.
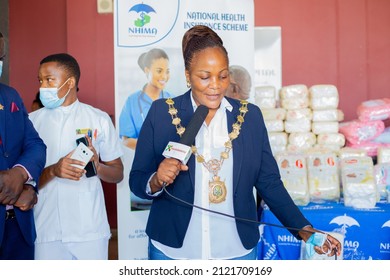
x: 188, y: 84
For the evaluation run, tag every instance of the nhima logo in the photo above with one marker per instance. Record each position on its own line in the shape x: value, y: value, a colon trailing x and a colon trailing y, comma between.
x: 142, y: 19
x: 144, y: 23
x: 143, y: 11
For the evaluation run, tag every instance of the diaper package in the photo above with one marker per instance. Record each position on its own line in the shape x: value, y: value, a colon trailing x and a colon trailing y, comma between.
x: 293, y: 173
x: 323, y: 97
x: 337, y: 139
x: 356, y: 131
x: 274, y: 114
x: 325, y: 127
x: 382, y: 180
x: 351, y: 152
x: 383, y: 154
x: 375, y: 109
x: 265, y: 97
x: 274, y: 125
x: 328, y: 115
x: 358, y: 184
x: 294, y: 97
x: 299, y: 114
x: 303, y: 125
x: 323, y: 177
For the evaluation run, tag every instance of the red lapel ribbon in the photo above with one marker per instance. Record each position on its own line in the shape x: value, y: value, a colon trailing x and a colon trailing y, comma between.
x: 14, y: 107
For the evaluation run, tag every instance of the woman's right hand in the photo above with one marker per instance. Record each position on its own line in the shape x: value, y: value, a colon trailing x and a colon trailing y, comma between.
x: 166, y: 173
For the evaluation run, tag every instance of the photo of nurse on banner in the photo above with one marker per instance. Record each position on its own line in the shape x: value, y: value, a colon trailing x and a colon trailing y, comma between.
x: 145, y: 86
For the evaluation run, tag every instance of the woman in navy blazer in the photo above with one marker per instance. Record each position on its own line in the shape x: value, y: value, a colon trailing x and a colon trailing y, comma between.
x: 172, y: 224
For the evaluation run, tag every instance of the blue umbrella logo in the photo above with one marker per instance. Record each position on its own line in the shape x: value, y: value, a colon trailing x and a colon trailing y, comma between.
x: 143, y: 10
x: 345, y: 222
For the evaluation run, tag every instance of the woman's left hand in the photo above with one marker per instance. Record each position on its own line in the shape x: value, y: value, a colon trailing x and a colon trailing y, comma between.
x: 330, y: 247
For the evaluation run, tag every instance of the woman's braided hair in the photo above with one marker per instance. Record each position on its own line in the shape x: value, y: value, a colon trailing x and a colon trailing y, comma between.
x: 198, y: 38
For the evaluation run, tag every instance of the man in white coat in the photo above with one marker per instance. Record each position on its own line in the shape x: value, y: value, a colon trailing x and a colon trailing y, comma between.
x: 70, y: 215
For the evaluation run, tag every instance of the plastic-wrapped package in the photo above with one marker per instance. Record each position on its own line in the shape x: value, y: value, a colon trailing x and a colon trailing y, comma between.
x: 277, y: 138
x: 274, y: 114
x: 278, y: 149
x: 324, y: 127
x: 370, y: 147
x: 298, y: 149
x: 294, y: 91
x: 337, y: 139
x: 376, y: 109
x: 358, y: 184
x: 351, y: 152
x: 265, y: 97
x: 323, y: 97
x: 295, y: 103
x: 323, y: 177
x: 274, y: 125
x: 319, y: 149
x: 299, y: 114
x: 382, y: 179
x: 303, y: 125
x: 383, y: 154
x: 293, y: 173
x: 301, y: 138
x: 328, y: 115
x: 265, y: 92
x: 357, y: 132
x: 329, y: 147
x: 265, y: 103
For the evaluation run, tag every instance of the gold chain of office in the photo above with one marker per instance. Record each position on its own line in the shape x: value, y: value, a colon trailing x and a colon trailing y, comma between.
x: 217, y: 188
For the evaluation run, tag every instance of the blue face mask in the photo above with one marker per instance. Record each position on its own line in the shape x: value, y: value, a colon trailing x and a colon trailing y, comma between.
x: 49, y: 96
x: 1, y: 67
x: 316, y: 239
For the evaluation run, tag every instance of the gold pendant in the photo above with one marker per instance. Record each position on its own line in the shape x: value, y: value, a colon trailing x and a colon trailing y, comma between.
x: 217, y: 190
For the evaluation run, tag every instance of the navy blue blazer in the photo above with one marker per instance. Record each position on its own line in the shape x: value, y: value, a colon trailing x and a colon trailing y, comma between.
x: 21, y: 144
x: 253, y: 166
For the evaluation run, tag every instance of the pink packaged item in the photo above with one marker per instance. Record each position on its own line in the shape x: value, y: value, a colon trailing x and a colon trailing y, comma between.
x: 370, y: 147
x: 377, y: 109
x: 357, y: 132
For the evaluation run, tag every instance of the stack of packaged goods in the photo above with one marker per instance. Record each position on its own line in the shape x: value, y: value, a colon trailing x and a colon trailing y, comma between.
x: 289, y: 121
x: 311, y: 118
x: 266, y: 99
x: 295, y: 100
x: 324, y: 101
x: 320, y: 157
